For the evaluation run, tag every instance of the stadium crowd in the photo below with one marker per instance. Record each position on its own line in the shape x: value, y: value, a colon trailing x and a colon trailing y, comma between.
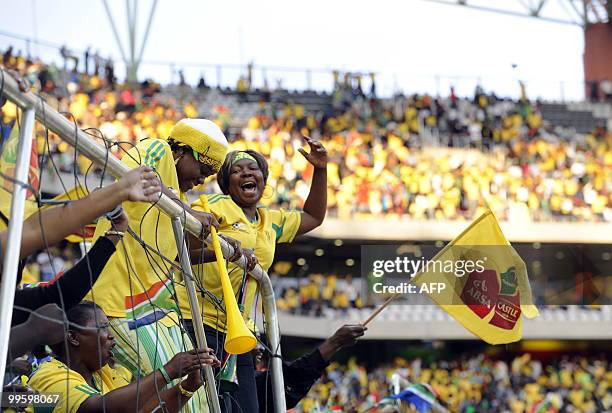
x: 318, y: 292
x: 389, y: 157
x: 382, y: 164
x: 469, y: 385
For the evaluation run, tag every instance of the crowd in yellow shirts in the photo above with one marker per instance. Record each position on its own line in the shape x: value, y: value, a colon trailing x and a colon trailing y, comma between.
x: 469, y: 385
x: 385, y: 169
x: 390, y: 158
x: 320, y: 292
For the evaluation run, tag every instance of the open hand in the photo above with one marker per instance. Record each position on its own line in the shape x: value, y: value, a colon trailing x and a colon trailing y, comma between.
x: 318, y: 154
x: 141, y: 184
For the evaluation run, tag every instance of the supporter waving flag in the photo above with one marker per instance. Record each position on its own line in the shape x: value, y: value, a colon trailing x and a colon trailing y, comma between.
x: 481, y: 282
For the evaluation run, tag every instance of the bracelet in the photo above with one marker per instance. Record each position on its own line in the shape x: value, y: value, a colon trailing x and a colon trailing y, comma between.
x: 119, y: 234
x: 164, y: 373
x: 184, y: 392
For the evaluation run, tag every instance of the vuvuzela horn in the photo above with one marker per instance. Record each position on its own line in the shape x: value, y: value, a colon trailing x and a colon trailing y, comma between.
x: 239, y: 338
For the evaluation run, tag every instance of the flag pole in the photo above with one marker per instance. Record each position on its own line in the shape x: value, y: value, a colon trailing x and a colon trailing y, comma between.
x: 379, y: 309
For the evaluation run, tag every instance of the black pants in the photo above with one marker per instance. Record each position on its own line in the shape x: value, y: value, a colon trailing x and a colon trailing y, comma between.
x: 244, y: 400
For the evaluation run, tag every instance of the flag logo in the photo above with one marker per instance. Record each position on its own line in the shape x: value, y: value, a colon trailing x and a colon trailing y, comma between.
x: 151, y: 305
x: 483, y: 293
x: 491, y: 300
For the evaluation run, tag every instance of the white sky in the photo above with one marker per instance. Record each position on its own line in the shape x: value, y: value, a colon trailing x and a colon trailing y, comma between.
x: 407, y: 42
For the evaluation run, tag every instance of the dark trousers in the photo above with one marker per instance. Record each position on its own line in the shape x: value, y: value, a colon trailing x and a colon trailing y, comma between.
x: 244, y: 400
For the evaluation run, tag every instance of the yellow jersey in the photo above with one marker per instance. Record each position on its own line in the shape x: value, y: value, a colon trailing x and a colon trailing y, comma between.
x: 272, y: 227
x: 55, y: 377
x: 142, y: 291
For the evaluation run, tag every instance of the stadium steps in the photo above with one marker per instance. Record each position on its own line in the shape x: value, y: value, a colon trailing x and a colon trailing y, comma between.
x: 423, y: 322
x: 312, y: 101
x: 583, y: 117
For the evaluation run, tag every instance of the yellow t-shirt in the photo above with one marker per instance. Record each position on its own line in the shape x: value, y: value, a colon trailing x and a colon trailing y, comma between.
x: 272, y: 227
x: 147, y: 279
x: 55, y: 377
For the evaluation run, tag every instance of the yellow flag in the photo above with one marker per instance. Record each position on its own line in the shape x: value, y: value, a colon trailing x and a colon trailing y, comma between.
x: 8, y: 160
x: 491, y: 292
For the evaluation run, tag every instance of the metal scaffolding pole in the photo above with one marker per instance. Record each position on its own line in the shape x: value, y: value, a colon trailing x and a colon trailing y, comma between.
x: 15, y: 227
x: 86, y: 146
x: 198, y: 325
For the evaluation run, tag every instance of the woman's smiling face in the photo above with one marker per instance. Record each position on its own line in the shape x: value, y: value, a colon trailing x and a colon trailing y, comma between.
x: 246, y: 183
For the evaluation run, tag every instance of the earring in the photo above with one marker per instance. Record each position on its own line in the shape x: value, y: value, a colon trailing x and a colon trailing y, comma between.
x: 268, y: 192
x: 176, y: 161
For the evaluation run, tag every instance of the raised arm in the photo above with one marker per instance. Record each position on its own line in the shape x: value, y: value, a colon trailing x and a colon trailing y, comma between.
x: 315, y: 206
x: 140, y: 184
x: 70, y: 289
x: 26, y: 336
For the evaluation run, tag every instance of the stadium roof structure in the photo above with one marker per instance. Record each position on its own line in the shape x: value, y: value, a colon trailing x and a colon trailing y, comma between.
x: 574, y: 12
x: 133, y: 58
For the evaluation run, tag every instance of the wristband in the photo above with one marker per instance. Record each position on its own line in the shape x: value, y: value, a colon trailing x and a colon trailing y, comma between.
x: 184, y: 392
x: 164, y: 373
x: 115, y: 213
x: 119, y: 234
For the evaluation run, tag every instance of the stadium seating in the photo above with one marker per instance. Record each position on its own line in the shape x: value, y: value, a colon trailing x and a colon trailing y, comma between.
x: 472, y: 383
x: 380, y: 148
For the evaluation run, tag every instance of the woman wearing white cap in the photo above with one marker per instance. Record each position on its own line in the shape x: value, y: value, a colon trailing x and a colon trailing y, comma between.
x: 137, y: 290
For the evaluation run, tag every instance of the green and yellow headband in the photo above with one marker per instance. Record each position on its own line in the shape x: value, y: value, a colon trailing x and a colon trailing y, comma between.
x: 215, y: 165
x: 243, y: 155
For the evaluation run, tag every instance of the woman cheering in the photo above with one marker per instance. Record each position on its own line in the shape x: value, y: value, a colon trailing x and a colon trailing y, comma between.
x: 242, y: 179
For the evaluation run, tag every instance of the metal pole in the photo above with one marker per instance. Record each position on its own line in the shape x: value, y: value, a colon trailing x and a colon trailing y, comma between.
x: 97, y: 153
x: 502, y: 11
x: 146, y: 34
x: 131, y: 26
x: 562, y: 88
x: 271, y: 319
x: 198, y: 325
x: 115, y: 32
x: 13, y: 244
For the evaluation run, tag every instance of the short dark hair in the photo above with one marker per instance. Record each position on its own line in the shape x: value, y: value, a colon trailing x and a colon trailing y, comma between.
x: 178, y: 147
x: 224, y: 173
x: 77, y: 316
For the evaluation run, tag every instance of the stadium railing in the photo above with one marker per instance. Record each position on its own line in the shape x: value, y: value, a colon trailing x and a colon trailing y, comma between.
x: 428, y: 322
x: 17, y: 91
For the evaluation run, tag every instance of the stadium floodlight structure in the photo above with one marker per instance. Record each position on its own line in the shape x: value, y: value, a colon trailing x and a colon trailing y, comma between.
x: 133, y: 60
x: 574, y: 12
x: 35, y: 108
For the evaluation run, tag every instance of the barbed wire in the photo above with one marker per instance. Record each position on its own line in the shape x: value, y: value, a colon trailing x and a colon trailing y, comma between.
x: 162, y: 267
